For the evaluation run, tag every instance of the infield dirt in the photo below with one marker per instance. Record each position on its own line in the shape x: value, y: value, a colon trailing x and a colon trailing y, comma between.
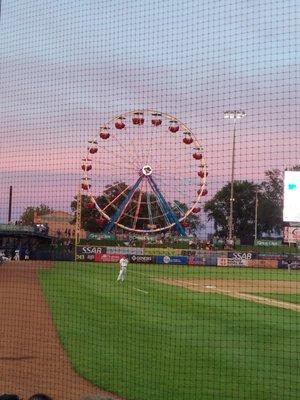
x: 242, y: 289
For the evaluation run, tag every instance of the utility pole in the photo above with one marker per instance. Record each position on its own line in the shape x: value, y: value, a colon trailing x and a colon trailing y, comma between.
x: 10, y: 204
x: 78, y: 220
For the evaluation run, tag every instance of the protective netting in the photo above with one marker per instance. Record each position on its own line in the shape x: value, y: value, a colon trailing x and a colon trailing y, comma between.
x: 150, y: 199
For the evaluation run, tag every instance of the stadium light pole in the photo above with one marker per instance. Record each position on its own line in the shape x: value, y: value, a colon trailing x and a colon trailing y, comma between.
x: 232, y: 115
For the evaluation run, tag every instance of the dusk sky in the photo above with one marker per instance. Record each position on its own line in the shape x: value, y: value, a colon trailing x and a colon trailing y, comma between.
x: 67, y: 66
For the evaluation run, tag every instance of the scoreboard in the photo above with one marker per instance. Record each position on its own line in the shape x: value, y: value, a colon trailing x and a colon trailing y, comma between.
x: 291, y: 208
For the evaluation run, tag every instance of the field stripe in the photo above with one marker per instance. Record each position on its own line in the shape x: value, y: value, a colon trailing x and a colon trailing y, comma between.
x: 140, y: 290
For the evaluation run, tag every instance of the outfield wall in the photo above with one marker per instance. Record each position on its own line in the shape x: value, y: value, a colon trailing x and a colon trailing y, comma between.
x: 185, y: 257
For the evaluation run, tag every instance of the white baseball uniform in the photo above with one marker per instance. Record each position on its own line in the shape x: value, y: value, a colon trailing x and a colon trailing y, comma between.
x: 123, y: 268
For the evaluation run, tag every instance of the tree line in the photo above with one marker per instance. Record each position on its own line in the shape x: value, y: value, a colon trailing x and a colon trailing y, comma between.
x: 268, y: 194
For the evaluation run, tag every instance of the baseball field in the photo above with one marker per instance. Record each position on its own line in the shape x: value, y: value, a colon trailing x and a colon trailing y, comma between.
x: 180, y: 333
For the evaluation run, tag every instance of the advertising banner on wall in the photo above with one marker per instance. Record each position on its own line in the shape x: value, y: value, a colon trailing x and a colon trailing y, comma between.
x: 242, y: 255
x: 261, y: 263
x: 267, y: 243
x: 269, y: 256
x: 113, y: 258
x: 85, y: 257
x: 100, y: 236
x: 236, y: 262
x: 136, y: 259
x: 196, y: 260
x: 177, y: 260
x: 222, y: 262
x: 124, y: 250
x: 90, y: 250
x: 289, y: 264
x: 291, y: 234
x: 211, y: 260
x: 156, y: 251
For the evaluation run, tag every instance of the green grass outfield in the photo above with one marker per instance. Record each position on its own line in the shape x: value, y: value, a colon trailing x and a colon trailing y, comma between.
x: 149, y: 341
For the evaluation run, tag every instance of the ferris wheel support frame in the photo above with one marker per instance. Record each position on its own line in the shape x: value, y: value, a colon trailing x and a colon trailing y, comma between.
x: 124, y: 203
x: 168, y: 210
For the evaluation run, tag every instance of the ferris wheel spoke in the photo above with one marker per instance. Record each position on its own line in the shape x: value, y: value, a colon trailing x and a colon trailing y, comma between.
x: 117, y: 153
x: 122, y: 206
x: 196, y: 183
x: 136, y: 150
x: 116, y: 184
x: 131, y: 156
x: 128, y: 214
x: 116, y: 198
x: 121, y: 166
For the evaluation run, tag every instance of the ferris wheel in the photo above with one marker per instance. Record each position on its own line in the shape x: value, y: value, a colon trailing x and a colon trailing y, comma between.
x: 145, y: 172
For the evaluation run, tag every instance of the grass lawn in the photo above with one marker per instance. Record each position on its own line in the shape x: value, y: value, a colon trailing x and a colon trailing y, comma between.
x: 291, y: 298
x: 149, y: 341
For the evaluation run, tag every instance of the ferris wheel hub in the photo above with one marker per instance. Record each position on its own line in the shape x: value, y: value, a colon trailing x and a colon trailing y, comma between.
x: 147, y: 170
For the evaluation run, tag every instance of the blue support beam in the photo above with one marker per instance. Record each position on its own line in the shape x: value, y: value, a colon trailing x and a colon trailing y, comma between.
x: 168, y: 210
x: 122, y: 206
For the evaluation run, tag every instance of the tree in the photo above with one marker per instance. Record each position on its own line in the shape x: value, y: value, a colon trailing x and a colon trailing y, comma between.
x: 271, y: 201
x: 193, y: 220
x: 27, y: 218
x: 270, y: 206
x: 218, y: 209
x: 91, y: 221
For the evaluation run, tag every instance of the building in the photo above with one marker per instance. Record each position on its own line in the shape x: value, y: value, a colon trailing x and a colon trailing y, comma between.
x: 58, y: 223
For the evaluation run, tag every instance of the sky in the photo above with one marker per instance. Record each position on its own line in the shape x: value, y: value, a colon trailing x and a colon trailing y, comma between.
x: 67, y: 66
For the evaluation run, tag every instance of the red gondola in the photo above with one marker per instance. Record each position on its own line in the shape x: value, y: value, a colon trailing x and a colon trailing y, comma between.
x: 185, y: 224
x: 197, y: 156
x: 101, y: 221
x: 85, y: 186
x: 204, y: 192
x: 196, y: 210
x: 173, y: 127
x: 93, y: 149
x: 104, y: 134
x: 90, y: 205
x: 86, y: 167
x: 156, y: 119
x: 138, y: 118
x: 120, y: 124
x: 202, y: 174
x: 188, y: 139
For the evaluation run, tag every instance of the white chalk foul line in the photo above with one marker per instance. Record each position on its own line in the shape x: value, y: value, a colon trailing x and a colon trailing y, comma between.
x: 140, y: 290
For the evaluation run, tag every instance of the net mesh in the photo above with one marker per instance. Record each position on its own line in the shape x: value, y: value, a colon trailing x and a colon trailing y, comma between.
x: 165, y: 136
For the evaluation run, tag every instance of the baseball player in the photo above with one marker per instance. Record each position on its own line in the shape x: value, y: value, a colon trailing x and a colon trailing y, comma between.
x: 123, y: 268
x: 3, y: 258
